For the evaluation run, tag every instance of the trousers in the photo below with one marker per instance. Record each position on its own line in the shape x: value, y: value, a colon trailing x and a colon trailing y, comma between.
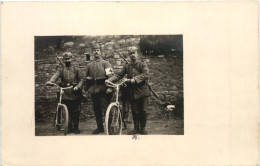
x: 139, y: 112
x: 74, y: 113
x: 100, y: 104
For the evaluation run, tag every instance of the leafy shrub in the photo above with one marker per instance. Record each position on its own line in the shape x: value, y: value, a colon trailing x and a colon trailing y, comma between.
x: 161, y: 44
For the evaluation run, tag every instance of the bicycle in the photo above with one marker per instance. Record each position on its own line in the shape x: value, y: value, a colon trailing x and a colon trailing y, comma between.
x: 61, y: 119
x: 113, y: 118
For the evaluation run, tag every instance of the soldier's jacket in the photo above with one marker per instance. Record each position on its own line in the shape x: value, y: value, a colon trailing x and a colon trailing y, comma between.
x: 140, y: 73
x: 70, y: 76
x: 98, y: 70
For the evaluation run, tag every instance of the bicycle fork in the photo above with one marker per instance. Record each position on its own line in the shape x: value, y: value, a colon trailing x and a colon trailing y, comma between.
x: 115, y: 116
x: 58, y: 117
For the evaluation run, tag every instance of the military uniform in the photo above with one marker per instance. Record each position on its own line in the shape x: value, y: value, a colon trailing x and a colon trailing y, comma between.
x: 71, y: 76
x: 98, y: 71
x: 138, y: 92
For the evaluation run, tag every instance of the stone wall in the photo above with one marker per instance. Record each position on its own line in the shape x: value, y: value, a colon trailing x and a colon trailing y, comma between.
x: 165, y: 70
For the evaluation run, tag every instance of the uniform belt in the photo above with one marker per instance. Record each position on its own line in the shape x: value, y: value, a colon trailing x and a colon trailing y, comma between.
x: 97, y: 81
x: 68, y: 84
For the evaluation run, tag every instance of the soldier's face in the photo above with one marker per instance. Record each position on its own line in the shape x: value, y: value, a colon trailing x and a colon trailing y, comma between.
x: 133, y: 56
x: 67, y: 60
x: 96, y: 52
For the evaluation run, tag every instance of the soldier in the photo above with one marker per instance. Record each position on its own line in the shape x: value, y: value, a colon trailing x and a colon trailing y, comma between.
x: 70, y: 76
x: 97, y: 72
x: 138, y: 90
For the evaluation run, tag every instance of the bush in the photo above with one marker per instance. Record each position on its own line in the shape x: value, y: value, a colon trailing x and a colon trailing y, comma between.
x: 161, y: 44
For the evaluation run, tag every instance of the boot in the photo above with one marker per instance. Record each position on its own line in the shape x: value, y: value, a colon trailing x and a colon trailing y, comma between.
x: 76, y: 127
x: 143, y: 124
x: 98, y: 130
x: 70, y: 127
x: 76, y: 131
x: 76, y: 124
x: 136, y: 125
x: 69, y: 130
x: 133, y: 132
x: 143, y: 131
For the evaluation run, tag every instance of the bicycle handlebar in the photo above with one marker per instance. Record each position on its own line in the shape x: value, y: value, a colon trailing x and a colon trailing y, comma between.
x: 49, y: 84
x: 113, y: 85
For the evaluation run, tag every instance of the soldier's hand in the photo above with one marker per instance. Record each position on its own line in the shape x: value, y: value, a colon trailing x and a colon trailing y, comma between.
x: 109, y: 90
x: 76, y: 88
x: 132, y: 81
x: 89, y: 78
x: 49, y: 83
x: 107, y: 82
x: 128, y: 80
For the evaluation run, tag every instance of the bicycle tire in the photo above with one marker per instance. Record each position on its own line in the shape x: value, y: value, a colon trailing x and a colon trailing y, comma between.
x: 61, y: 120
x: 113, y: 120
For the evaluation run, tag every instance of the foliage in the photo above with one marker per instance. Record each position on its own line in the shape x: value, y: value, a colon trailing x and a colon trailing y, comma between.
x: 43, y: 42
x: 161, y: 44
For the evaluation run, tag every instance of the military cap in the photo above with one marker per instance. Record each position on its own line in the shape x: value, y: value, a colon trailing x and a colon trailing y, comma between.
x: 67, y: 55
x: 131, y: 50
x: 95, y: 46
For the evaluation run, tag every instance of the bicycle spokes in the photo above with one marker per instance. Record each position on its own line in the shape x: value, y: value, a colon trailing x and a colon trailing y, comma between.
x: 61, y: 120
x: 115, y: 117
x: 114, y: 121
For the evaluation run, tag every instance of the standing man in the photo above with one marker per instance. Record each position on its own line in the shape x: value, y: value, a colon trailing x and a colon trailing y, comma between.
x: 70, y: 76
x: 138, y: 90
x: 97, y: 72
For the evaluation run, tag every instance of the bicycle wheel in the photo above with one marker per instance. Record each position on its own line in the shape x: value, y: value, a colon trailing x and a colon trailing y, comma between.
x: 61, y: 120
x: 113, y: 120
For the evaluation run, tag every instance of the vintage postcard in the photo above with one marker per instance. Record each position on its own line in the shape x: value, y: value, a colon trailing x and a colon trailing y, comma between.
x: 129, y: 83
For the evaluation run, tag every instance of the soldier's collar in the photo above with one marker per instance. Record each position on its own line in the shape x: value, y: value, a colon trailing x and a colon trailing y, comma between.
x: 69, y: 66
x: 99, y: 59
x: 134, y: 63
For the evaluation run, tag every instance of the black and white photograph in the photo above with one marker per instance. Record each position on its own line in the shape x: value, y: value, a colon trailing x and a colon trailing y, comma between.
x: 129, y: 83
x: 109, y: 85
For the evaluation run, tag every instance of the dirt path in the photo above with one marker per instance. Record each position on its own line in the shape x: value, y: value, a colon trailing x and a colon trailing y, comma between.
x: 172, y: 126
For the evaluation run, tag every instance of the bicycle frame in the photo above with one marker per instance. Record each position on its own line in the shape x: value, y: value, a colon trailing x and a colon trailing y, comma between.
x: 117, y: 93
x: 61, y: 91
x: 117, y: 87
x: 116, y: 103
x: 60, y: 99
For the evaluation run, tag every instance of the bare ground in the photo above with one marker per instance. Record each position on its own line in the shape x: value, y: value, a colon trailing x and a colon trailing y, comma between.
x: 167, y: 126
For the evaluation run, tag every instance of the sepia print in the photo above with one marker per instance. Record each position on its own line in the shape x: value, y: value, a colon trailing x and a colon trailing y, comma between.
x: 109, y: 85
x: 200, y: 60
